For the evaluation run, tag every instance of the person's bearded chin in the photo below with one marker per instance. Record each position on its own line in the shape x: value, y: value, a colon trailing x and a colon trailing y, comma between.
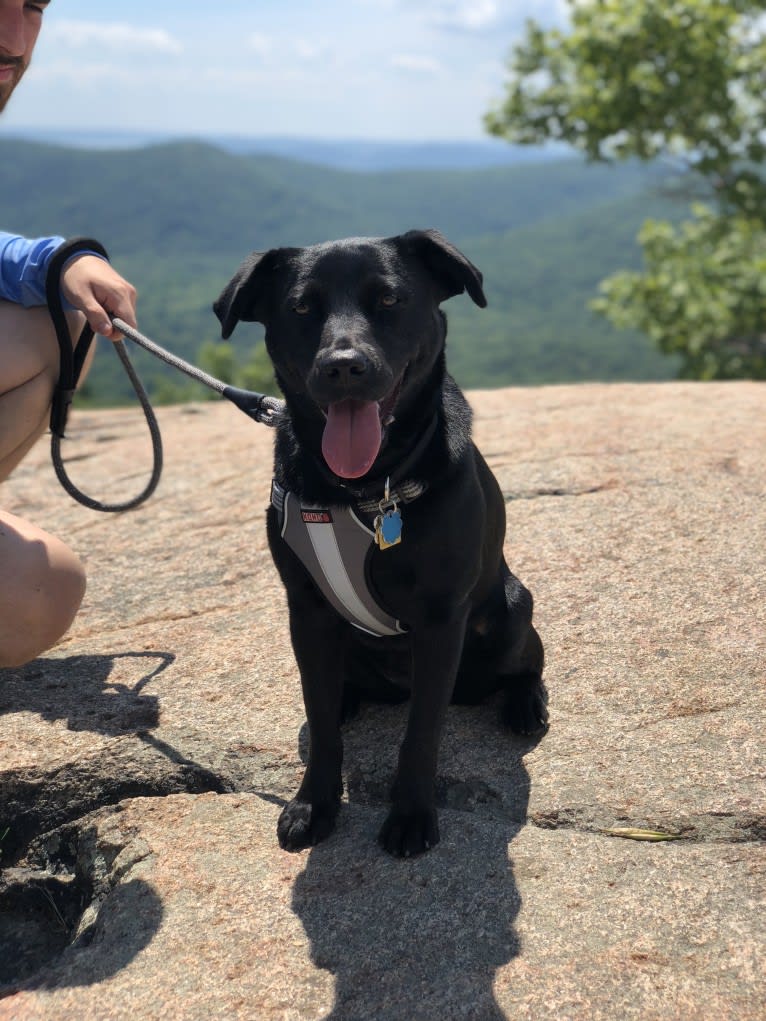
x: 16, y: 66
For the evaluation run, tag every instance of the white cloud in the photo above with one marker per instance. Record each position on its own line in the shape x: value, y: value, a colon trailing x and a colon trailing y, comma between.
x: 117, y: 36
x: 490, y: 16
x: 260, y: 44
x: 307, y: 50
x: 468, y: 15
x: 417, y: 63
x: 272, y: 49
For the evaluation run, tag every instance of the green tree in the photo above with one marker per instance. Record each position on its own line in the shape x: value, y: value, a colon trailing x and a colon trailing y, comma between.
x: 258, y: 373
x: 682, y: 80
x: 219, y: 358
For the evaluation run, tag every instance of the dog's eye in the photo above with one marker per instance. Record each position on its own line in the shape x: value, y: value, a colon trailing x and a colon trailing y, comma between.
x: 302, y: 308
x: 389, y: 300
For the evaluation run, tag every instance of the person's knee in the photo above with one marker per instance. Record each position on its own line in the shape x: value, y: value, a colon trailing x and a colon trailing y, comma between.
x: 29, y: 368
x: 43, y: 616
x: 41, y: 589
x: 28, y: 346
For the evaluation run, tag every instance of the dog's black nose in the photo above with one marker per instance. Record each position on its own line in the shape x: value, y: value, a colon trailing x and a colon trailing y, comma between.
x: 343, y: 367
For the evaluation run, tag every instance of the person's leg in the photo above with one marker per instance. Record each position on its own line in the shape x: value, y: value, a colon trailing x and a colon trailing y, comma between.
x: 29, y: 367
x: 42, y: 582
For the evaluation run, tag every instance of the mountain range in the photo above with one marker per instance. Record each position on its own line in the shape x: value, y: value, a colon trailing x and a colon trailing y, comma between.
x: 338, y: 153
x: 177, y: 218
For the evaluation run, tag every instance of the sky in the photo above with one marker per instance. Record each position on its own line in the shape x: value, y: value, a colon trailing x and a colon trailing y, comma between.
x: 375, y: 69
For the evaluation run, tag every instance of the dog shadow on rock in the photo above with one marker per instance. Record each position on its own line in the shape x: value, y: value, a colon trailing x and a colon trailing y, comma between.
x: 83, y: 691
x: 421, y: 937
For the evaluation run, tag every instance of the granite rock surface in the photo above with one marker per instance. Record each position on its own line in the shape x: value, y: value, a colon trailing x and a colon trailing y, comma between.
x: 144, y: 760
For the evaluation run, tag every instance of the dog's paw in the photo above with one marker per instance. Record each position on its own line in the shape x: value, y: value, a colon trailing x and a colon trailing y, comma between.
x: 405, y: 834
x: 302, y: 824
x: 526, y: 708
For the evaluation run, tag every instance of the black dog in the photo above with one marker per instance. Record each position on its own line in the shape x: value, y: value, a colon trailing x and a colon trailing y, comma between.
x: 386, y: 524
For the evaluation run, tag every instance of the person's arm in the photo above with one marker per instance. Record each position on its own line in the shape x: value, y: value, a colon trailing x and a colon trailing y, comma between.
x: 23, y: 265
x: 88, y: 282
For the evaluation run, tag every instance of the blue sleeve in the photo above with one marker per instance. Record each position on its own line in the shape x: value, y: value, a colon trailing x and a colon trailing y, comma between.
x: 23, y: 265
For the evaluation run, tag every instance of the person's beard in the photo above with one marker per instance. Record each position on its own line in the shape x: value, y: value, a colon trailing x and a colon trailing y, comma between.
x: 6, y: 88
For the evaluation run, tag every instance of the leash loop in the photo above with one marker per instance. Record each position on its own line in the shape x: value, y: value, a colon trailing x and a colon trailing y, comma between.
x: 259, y: 407
x: 71, y: 361
x: 154, y: 431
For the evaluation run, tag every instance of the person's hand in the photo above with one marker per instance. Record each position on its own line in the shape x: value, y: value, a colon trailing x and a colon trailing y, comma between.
x: 92, y: 286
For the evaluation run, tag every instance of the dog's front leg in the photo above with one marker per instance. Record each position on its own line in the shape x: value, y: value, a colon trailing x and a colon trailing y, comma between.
x: 318, y: 642
x: 412, y: 826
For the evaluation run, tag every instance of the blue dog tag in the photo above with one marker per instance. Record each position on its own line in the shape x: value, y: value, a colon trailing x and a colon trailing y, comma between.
x: 392, y: 527
x: 388, y: 524
x: 388, y: 529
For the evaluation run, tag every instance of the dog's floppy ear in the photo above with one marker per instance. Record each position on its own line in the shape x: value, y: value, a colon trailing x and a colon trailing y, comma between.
x: 246, y: 294
x: 449, y: 267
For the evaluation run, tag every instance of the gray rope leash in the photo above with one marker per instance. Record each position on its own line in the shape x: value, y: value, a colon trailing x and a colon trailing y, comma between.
x: 154, y: 431
x: 259, y: 407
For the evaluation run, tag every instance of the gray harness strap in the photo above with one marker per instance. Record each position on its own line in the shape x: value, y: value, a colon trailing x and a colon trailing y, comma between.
x: 334, y: 546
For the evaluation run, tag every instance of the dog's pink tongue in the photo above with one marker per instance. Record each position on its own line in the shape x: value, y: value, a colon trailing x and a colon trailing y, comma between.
x: 351, y: 439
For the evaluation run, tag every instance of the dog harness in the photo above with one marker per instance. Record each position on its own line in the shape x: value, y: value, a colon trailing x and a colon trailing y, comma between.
x: 335, y: 546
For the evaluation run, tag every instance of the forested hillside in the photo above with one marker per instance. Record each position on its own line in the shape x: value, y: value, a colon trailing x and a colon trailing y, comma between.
x: 178, y: 218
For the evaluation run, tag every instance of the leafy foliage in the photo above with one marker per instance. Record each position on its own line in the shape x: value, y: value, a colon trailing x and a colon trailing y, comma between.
x: 681, y: 79
x: 702, y: 296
